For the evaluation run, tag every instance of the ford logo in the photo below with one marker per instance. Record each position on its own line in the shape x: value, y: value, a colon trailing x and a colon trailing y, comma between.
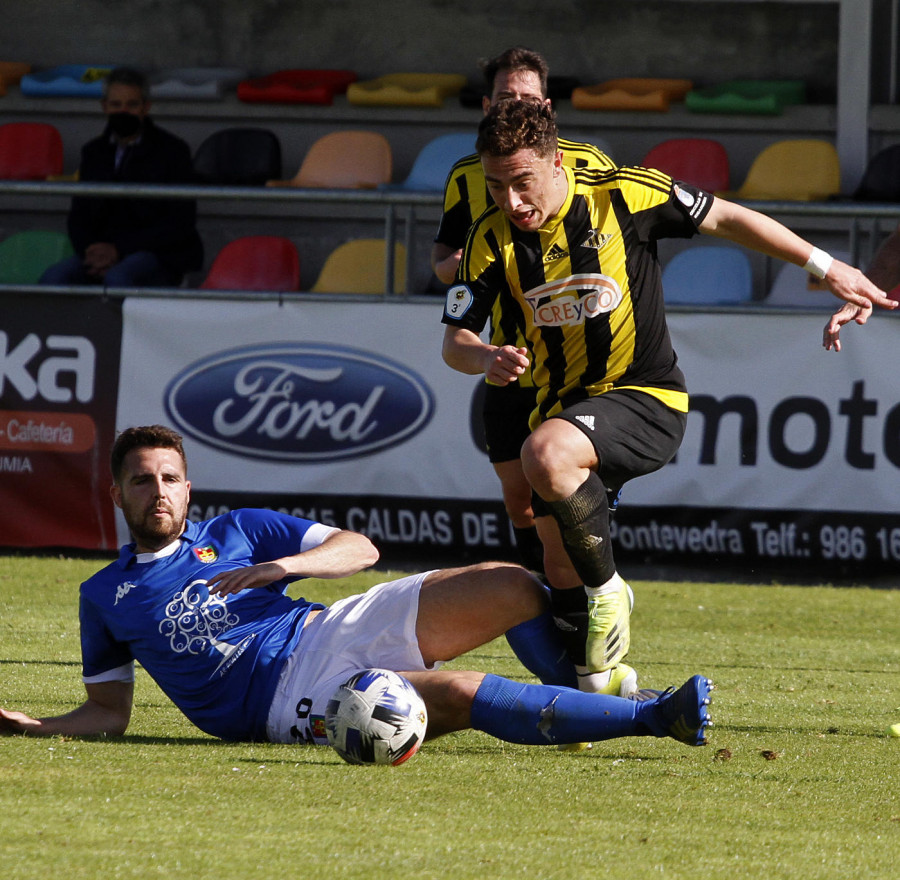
x: 299, y: 402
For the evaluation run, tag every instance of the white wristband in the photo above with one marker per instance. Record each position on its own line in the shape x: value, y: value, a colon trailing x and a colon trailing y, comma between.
x: 818, y: 263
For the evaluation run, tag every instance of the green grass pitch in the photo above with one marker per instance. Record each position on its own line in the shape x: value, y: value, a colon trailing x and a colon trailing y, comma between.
x: 799, y: 780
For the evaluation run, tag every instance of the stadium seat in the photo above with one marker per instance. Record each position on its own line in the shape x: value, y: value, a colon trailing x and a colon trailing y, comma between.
x: 708, y: 275
x: 194, y: 83
x: 634, y: 93
x: 255, y: 262
x: 881, y: 179
x: 766, y: 97
x: 11, y: 73
x: 30, y: 151
x: 699, y: 161
x: 800, y: 170
x: 358, y: 266
x: 795, y: 288
x: 434, y: 161
x: 25, y: 255
x: 238, y: 157
x: 296, y: 87
x: 407, y: 89
x: 344, y: 160
x: 66, y: 81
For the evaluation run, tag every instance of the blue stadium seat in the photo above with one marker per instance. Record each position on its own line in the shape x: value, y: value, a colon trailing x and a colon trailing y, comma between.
x: 435, y: 159
x: 708, y: 275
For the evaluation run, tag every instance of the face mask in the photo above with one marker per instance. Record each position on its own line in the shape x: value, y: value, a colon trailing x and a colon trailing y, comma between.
x: 123, y: 124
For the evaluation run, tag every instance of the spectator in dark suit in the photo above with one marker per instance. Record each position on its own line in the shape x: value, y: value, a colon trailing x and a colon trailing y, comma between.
x: 124, y: 241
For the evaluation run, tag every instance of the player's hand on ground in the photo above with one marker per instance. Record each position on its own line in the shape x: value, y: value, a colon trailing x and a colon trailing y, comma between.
x: 12, y: 722
x: 831, y: 337
x: 506, y: 364
x: 227, y: 583
x: 850, y: 285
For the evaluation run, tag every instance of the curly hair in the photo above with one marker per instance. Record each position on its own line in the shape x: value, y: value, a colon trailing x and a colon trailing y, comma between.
x: 518, y: 125
x: 516, y: 58
x: 143, y: 437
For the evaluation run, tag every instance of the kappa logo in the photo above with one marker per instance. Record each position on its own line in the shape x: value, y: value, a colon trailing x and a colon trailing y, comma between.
x: 123, y: 590
x: 587, y: 421
x: 555, y: 253
x: 596, y: 240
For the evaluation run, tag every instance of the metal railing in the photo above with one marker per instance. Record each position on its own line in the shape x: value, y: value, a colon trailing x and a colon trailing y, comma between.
x: 399, y: 205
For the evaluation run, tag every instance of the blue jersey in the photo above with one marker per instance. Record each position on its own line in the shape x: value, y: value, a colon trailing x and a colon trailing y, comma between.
x: 218, y: 658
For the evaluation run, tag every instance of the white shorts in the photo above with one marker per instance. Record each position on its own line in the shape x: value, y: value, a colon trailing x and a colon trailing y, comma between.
x: 375, y: 629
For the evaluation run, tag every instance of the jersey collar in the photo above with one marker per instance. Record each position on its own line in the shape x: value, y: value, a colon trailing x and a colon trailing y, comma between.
x: 127, y: 555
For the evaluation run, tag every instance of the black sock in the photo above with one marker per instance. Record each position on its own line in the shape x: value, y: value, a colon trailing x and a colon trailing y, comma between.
x: 583, y: 520
x: 570, y: 614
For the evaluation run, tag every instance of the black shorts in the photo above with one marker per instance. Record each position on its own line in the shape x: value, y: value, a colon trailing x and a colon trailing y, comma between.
x: 632, y: 433
x: 506, y: 411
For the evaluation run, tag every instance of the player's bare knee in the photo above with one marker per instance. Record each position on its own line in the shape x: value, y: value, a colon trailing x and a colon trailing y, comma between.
x: 520, y: 595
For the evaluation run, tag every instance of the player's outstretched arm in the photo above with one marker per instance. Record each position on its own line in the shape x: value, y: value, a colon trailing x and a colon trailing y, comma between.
x: 106, y: 712
x: 762, y: 233
x: 341, y: 554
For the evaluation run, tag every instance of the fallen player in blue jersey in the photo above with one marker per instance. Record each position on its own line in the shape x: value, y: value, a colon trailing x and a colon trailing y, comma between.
x: 202, y: 607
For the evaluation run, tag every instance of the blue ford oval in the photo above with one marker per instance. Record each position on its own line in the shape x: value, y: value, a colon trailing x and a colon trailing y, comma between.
x: 299, y: 402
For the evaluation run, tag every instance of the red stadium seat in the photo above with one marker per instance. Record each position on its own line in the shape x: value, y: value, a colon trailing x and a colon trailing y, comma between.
x: 296, y: 87
x: 699, y: 161
x: 30, y: 151
x: 255, y: 262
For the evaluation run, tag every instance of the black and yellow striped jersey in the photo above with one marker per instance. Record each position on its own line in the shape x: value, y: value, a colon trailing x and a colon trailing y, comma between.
x: 466, y: 197
x: 585, y: 289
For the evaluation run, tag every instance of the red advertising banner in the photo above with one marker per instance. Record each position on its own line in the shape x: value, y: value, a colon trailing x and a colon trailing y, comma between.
x: 59, y: 377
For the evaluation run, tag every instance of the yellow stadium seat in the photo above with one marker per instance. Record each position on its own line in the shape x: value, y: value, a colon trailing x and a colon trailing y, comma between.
x: 799, y: 170
x: 358, y: 266
x: 407, y: 89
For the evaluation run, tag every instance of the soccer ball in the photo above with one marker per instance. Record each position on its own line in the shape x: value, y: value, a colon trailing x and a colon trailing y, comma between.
x: 376, y: 717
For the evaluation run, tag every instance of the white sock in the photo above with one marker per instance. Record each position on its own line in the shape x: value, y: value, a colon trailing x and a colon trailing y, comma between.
x: 592, y: 682
x: 613, y: 585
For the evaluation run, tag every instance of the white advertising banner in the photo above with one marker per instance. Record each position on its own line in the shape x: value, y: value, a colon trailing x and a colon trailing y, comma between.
x: 342, y: 411
x: 346, y: 410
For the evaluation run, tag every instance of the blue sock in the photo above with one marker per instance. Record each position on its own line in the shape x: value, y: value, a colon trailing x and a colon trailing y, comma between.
x: 540, y: 650
x: 537, y: 714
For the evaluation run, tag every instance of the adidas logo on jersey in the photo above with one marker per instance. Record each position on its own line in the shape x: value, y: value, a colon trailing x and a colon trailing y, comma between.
x: 555, y: 253
x: 596, y: 240
x: 587, y: 421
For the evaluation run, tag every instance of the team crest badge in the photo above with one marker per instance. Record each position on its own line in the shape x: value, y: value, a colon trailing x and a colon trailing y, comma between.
x: 596, y: 240
x: 207, y: 553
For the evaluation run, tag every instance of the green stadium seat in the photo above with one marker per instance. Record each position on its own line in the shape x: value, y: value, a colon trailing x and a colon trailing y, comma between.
x: 24, y: 256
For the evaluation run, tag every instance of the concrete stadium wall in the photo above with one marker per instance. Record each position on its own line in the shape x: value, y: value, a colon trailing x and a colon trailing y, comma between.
x: 705, y: 41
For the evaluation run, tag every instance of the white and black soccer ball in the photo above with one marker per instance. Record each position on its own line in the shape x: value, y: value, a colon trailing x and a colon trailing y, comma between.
x: 376, y: 717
